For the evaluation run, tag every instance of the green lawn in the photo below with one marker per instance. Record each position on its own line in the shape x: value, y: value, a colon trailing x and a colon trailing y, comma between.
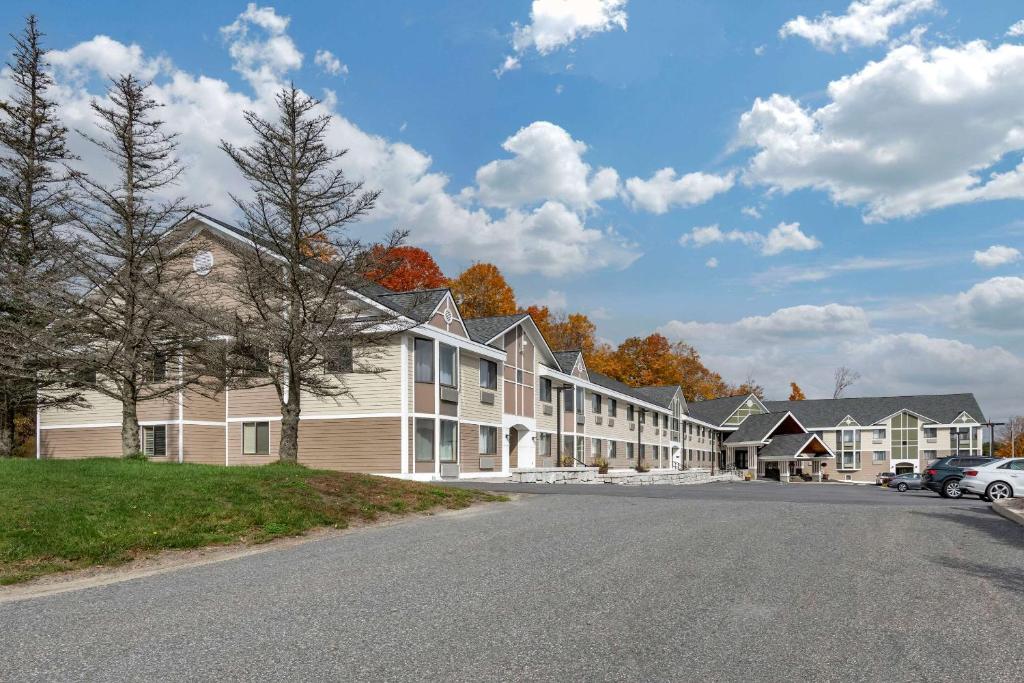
x: 59, y: 515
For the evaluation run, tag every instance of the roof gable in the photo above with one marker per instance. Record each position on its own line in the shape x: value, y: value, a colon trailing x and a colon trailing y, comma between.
x: 445, y: 316
x: 868, y: 410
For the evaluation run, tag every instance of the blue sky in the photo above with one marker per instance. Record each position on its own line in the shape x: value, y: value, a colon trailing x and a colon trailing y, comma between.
x: 788, y: 194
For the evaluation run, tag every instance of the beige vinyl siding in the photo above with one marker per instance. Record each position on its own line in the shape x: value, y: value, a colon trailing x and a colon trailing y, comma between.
x: 545, y: 423
x: 86, y: 442
x: 352, y: 445
x: 203, y: 444
x: 101, y: 409
x: 470, y: 391
x: 159, y: 409
x: 368, y: 392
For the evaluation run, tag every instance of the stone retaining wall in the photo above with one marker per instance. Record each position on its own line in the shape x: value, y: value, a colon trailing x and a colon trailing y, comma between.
x: 589, y: 475
x: 554, y: 475
x: 692, y: 476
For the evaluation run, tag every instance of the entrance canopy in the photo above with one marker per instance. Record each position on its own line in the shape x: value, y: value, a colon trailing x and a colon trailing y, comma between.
x: 785, y: 447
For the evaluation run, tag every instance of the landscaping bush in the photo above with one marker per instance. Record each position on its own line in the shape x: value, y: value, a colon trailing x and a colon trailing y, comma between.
x: 601, y: 464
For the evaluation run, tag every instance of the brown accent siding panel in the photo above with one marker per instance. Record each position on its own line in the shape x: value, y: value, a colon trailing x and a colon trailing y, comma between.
x: 86, y: 442
x: 424, y: 397
x: 204, y: 444
x: 513, y: 448
x: 469, y: 447
x: 353, y: 445
x: 510, y: 397
x: 449, y: 409
x: 528, y: 402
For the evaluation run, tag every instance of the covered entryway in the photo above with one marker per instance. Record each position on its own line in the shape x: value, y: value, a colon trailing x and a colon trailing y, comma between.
x: 789, y: 457
x: 904, y: 468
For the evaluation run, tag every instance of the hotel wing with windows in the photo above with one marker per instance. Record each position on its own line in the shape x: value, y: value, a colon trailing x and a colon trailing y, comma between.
x: 456, y: 398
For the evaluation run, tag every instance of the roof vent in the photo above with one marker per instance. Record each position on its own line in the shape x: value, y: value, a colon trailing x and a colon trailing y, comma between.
x: 202, y: 263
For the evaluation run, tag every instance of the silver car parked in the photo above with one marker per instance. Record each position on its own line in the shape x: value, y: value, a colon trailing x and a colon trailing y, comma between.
x: 905, y: 482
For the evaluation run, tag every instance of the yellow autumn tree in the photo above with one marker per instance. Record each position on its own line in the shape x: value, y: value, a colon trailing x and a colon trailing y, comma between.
x: 481, y: 291
x: 796, y: 393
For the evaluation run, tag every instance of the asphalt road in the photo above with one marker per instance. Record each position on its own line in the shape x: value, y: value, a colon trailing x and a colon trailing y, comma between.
x: 730, y: 582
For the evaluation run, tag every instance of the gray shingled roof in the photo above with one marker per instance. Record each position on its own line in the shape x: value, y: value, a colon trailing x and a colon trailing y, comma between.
x: 659, y: 395
x: 716, y: 410
x: 418, y: 304
x: 783, y: 445
x: 566, y: 360
x: 944, y: 408
x: 755, y: 428
x: 485, y: 329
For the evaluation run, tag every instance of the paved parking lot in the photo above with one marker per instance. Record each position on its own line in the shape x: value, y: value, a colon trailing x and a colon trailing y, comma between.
x: 717, y: 582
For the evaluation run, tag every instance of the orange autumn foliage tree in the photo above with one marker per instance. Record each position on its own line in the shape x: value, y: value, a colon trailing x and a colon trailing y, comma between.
x: 565, y: 332
x: 481, y: 291
x: 403, y: 268
x: 796, y: 393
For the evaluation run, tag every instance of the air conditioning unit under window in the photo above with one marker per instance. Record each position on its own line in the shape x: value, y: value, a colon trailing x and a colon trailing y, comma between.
x: 450, y: 470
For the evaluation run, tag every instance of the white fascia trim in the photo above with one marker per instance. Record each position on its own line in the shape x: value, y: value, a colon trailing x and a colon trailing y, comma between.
x: 460, y: 342
x: 545, y: 371
x: 702, y: 423
x: 348, y: 416
x: 482, y: 424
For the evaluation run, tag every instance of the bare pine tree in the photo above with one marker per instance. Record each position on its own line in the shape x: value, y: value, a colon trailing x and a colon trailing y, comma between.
x: 34, y: 254
x: 132, y: 330
x: 301, y: 324
x: 844, y: 379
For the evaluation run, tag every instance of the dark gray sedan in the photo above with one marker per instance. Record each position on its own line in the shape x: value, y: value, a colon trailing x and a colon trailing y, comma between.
x: 905, y: 482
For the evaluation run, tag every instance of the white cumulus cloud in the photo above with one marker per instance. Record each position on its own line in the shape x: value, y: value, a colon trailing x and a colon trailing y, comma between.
x: 866, y: 22
x: 1017, y: 30
x: 331, y: 65
x: 783, y: 237
x: 918, y: 130
x: 665, y: 189
x: 549, y: 236
x: 555, y: 24
x: 996, y: 304
x: 711, y: 262
x: 547, y: 163
x: 996, y: 255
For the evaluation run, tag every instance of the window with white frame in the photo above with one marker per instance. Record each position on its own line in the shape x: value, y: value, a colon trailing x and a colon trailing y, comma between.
x: 158, y: 367
x: 424, y: 446
x: 424, y: 360
x: 488, y: 374
x: 930, y: 432
x: 595, y: 403
x: 545, y: 389
x: 580, y: 397
x: 613, y: 407
x: 339, y: 360
x: 630, y: 413
x: 878, y: 435
x: 488, y: 440
x: 612, y: 449
x: 154, y: 441
x: 629, y: 450
x: 543, y: 444
x: 848, y: 455
x: 447, y: 363
x: 595, y: 448
x: 878, y: 456
x: 579, y: 448
x: 448, y: 446
x: 568, y: 395
x: 255, y: 438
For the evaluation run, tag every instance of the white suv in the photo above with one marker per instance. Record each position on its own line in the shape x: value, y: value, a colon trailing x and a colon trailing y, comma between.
x: 1003, y: 478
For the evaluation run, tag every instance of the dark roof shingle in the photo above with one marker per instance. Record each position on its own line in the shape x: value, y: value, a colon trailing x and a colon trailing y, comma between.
x: 755, y: 428
x: 483, y: 330
x: 784, y: 445
x: 716, y: 410
x: 829, y: 412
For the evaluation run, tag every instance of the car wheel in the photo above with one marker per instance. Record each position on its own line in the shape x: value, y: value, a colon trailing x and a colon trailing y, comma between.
x: 951, y: 489
x: 901, y: 487
x: 998, y: 490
